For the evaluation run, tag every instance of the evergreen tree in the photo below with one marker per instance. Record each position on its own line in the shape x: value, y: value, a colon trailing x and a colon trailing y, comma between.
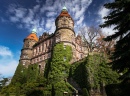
x: 120, y: 18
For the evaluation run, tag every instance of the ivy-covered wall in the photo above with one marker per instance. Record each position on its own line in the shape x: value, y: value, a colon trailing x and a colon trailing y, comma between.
x: 59, y: 67
x: 20, y: 76
x: 93, y: 72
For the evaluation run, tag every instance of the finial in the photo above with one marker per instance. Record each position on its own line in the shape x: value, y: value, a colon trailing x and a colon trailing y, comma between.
x: 34, y: 30
x: 64, y: 8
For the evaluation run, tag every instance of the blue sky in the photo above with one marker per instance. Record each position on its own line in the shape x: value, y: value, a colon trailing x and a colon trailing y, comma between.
x: 19, y: 17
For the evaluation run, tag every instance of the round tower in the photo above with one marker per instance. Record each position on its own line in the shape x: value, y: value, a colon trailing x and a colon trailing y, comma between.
x: 64, y: 27
x: 26, y: 52
x: 65, y: 30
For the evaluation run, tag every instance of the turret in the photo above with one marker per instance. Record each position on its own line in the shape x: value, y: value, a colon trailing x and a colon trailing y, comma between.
x: 26, y: 52
x: 65, y: 30
x: 64, y: 20
x: 64, y: 27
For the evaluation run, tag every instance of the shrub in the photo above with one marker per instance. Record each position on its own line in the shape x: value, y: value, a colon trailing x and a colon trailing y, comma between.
x: 34, y: 92
x: 85, y: 92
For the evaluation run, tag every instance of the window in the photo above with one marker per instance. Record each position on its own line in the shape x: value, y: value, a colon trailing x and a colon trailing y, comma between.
x: 23, y: 62
x: 64, y: 46
x: 39, y: 68
x: 81, y: 56
x: 64, y: 58
x: 80, y: 48
x: 24, y: 56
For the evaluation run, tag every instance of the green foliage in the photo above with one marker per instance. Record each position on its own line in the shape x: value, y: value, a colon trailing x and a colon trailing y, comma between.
x: 59, y: 67
x: 34, y: 92
x: 93, y: 72
x: 80, y: 73
x: 19, y: 77
x: 7, y: 94
x: 17, y: 93
x: 3, y: 82
x: 120, y: 18
x: 47, y: 68
x: 25, y: 79
x: 85, y: 92
x: 32, y: 73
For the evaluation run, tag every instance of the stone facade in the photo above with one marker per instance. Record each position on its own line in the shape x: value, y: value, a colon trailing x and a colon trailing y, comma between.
x: 37, y: 51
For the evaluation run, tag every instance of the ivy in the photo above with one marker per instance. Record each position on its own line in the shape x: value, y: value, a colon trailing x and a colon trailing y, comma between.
x: 93, y: 72
x: 60, y: 63
x: 19, y: 77
x: 32, y: 73
x: 58, y: 69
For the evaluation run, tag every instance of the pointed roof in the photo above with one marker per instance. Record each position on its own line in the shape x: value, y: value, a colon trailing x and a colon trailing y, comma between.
x: 33, y: 35
x: 64, y: 12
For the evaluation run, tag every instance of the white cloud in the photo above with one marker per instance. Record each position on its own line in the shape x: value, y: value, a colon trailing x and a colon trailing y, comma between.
x: 14, y: 19
x: 38, y: 1
x: 102, y: 13
x: 33, y: 17
x: 36, y: 8
x: 7, y: 62
x: 79, y: 22
x: 9, y: 68
x: 4, y: 51
x: 3, y: 20
x: 51, y: 14
x: 20, y: 12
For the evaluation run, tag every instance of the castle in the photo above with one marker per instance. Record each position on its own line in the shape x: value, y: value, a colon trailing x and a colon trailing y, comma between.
x: 37, y: 50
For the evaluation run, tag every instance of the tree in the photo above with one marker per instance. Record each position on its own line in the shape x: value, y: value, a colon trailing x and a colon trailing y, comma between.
x: 89, y: 35
x: 17, y: 93
x: 120, y: 18
x: 102, y: 46
x: 3, y: 82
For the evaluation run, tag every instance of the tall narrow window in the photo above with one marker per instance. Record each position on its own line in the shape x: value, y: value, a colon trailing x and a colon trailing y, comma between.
x: 39, y: 69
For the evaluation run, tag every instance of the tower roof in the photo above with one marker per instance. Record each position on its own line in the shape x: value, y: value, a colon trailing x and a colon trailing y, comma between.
x: 33, y: 35
x: 64, y: 12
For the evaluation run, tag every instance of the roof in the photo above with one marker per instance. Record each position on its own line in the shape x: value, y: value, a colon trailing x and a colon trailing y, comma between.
x: 64, y: 12
x: 32, y: 36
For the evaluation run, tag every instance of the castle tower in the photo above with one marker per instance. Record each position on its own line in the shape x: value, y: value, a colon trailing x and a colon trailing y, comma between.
x: 65, y: 29
x: 26, y: 52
